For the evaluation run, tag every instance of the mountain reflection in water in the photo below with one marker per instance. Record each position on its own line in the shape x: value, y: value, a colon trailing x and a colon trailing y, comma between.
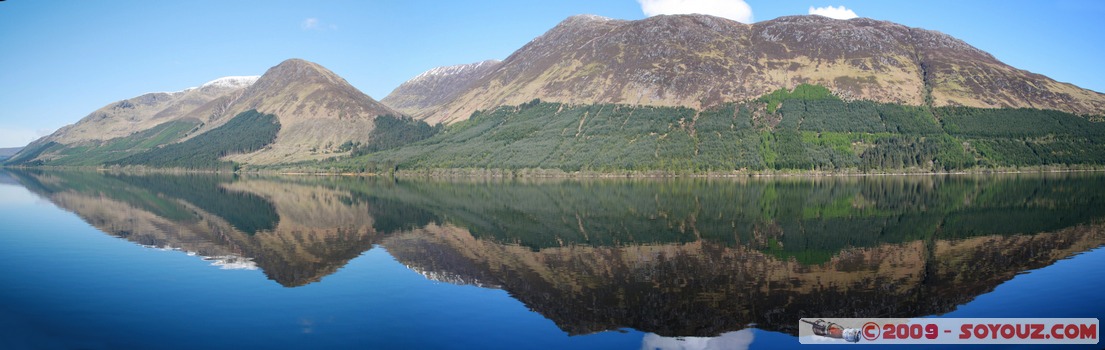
x: 677, y: 258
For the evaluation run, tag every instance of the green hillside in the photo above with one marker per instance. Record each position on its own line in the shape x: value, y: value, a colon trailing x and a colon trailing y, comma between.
x: 100, y: 152
x: 247, y: 132
x: 804, y: 129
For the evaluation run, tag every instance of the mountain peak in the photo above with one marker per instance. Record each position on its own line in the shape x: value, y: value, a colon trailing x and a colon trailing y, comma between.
x: 685, y: 17
x: 578, y: 25
x: 299, y: 70
x: 438, y: 86
x: 803, y: 19
x: 586, y: 18
x: 318, y: 111
x: 296, y: 62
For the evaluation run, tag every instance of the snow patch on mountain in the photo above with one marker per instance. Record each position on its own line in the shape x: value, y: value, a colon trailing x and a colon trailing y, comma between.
x: 224, y: 82
x: 454, y: 70
x: 232, y: 81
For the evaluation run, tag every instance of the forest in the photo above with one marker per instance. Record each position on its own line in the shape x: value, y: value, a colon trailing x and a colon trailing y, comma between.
x: 393, y: 132
x: 804, y: 129
x: 246, y: 132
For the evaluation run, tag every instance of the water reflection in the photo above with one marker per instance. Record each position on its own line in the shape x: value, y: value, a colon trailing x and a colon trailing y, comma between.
x: 689, y: 258
x: 296, y: 234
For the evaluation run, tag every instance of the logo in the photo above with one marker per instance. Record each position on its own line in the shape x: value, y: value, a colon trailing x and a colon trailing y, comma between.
x: 1051, y: 331
x: 832, y: 330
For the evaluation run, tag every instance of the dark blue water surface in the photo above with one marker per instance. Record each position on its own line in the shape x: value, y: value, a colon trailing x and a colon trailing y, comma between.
x: 120, y: 261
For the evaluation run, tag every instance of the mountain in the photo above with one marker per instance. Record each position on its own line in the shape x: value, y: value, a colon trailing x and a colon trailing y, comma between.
x: 313, y: 112
x: 318, y: 112
x: 129, y: 126
x: 699, y: 94
x: 701, y: 61
x: 430, y: 90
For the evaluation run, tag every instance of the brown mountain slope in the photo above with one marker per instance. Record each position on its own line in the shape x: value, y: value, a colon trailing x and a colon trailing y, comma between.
x: 700, y: 61
x: 125, y: 117
x: 98, y: 137
x: 430, y: 90
x: 317, y: 110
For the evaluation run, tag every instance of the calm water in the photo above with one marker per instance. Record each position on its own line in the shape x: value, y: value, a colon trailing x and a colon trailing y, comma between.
x: 112, y: 261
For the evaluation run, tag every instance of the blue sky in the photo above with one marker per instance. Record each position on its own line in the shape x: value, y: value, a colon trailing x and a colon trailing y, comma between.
x: 61, y: 60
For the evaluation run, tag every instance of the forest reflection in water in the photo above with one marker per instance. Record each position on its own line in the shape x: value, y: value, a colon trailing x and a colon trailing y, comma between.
x: 688, y: 257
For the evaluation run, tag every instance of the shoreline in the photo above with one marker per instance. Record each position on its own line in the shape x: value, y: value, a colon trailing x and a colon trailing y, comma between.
x: 529, y: 173
x: 448, y: 173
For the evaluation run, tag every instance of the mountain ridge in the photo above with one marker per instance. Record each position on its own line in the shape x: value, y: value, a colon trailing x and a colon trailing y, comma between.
x: 701, y: 61
x: 138, y: 113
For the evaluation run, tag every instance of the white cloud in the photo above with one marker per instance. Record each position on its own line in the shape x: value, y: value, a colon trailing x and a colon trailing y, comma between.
x: 739, y: 340
x: 315, y: 24
x: 312, y: 24
x: 833, y: 12
x: 736, y: 10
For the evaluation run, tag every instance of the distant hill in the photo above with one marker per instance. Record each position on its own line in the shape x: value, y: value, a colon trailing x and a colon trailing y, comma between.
x: 6, y: 153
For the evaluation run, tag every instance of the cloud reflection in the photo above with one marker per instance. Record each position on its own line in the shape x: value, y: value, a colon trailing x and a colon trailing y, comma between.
x: 729, y: 341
